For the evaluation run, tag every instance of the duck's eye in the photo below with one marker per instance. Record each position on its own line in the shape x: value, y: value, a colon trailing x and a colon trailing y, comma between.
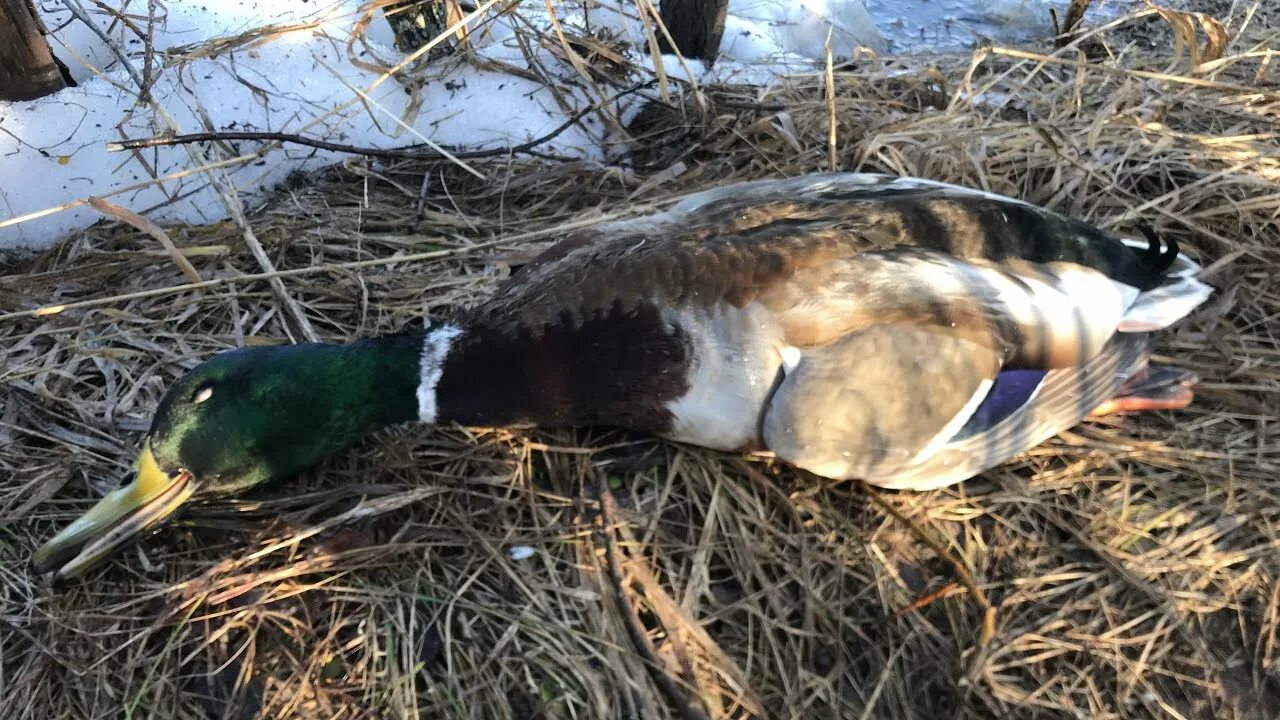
x: 201, y: 394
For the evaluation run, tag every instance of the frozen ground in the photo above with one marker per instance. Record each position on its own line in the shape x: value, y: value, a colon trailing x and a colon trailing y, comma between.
x: 53, y: 151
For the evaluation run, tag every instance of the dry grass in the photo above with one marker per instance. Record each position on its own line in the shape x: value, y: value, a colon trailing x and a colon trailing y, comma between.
x: 1134, y: 563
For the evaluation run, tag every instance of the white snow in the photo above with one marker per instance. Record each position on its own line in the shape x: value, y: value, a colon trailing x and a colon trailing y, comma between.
x: 759, y: 29
x: 520, y: 552
x: 53, y: 150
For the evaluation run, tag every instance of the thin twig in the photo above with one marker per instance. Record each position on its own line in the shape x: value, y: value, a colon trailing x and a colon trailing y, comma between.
x: 945, y: 591
x: 962, y: 573
x: 148, y: 51
x: 176, y: 175
x: 335, y: 267
x: 235, y: 208
x: 369, y: 101
x: 635, y: 628
x: 83, y: 16
x: 1130, y: 72
x: 172, y: 139
x: 829, y: 76
x: 578, y: 63
x: 392, y: 153
x: 139, y: 222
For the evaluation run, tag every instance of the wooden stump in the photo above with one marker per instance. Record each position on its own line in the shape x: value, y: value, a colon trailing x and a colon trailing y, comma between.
x: 694, y: 25
x: 27, y: 67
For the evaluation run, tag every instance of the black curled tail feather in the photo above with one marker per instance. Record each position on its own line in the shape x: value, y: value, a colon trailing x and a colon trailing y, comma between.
x: 1159, y: 256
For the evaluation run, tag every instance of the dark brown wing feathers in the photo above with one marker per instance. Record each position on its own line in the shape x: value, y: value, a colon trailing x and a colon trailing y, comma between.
x: 592, y: 276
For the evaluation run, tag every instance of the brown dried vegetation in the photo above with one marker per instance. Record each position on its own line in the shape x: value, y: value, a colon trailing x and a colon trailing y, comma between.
x: 1133, y: 563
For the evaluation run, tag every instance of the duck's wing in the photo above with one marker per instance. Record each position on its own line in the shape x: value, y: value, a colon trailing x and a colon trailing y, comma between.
x: 1031, y: 315
x: 876, y: 400
x: 916, y: 369
x: 912, y: 408
x: 1022, y: 409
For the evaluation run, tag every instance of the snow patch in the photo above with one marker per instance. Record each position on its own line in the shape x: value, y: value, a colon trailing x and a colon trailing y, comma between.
x: 53, y: 150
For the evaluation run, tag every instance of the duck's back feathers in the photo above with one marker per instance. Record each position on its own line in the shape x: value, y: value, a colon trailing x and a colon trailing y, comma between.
x: 733, y: 244
x: 892, y: 211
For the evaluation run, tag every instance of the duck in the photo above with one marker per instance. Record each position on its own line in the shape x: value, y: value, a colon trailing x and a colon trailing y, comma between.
x: 904, y: 332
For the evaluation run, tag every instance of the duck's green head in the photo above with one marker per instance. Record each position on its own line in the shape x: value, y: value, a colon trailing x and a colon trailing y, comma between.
x: 241, y: 419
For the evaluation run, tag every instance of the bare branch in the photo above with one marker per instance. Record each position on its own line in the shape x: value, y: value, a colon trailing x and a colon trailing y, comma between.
x: 393, y: 153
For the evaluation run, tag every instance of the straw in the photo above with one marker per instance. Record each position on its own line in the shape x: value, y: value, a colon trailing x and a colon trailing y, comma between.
x: 1130, y: 566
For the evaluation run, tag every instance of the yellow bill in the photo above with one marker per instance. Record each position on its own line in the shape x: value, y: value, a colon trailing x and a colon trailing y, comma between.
x: 122, y: 515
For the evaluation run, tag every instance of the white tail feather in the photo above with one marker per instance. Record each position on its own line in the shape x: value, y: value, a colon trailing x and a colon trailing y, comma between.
x: 1168, y: 302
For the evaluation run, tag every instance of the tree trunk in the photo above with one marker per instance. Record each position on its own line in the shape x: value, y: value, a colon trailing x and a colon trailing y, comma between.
x: 694, y: 25
x: 27, y: 67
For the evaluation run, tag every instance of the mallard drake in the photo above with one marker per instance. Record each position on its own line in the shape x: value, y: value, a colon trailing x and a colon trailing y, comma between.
x: 906, y: 332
